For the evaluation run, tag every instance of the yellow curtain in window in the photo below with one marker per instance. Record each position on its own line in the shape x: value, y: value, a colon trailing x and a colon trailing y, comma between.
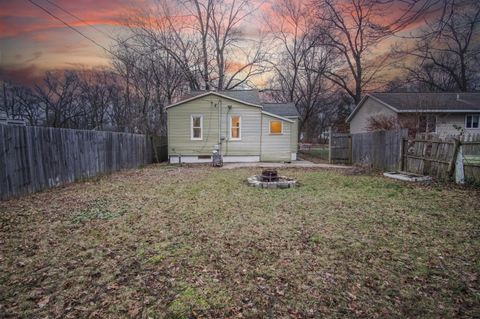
x: 235, y: 126
x: 276, y: 127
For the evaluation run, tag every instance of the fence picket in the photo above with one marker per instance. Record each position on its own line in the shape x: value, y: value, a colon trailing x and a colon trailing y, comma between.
x: 35, y: 158
x: 379, y: 150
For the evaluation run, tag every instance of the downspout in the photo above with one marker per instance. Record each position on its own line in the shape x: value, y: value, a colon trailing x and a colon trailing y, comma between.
x: 219, y: 127
x: 261, y: 135
x: 227, y: 127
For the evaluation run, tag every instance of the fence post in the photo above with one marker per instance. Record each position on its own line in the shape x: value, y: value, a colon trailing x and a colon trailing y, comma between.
x: 402, y: 156
x: 350, y: 154
x: 459, y: 169
x: 451, y: 166
x: 330, y: 145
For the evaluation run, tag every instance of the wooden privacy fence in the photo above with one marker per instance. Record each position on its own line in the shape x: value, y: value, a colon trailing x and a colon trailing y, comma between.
x: 159, y: 148
x: 34, y: 158
x: 426, y: 154
x: 468, y: 160
x: 431, y: 155
x: 378, y: 150
x: 340, y: 148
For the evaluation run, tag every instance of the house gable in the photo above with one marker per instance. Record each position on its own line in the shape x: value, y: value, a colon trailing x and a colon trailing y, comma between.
x: 450, y: 109
x: 368, y: 108
x: 211, y: 93
x: 363, y: 100
x: 216, y: 112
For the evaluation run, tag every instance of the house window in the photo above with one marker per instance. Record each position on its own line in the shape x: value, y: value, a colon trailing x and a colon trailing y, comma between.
x: 276, y: 127
x: 472, y: 121
x: 235, y: 127
x: 427, y: 124
x: 197, y: 127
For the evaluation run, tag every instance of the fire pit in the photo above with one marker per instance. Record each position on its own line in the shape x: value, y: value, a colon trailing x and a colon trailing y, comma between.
x: 270, y: 179
x: 269, y: 175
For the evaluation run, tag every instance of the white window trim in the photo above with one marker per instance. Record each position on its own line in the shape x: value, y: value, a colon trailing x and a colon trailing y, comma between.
x: 472, y: 128
x: 201, y: 127
x: 270, y: 127
x: 239, y: 138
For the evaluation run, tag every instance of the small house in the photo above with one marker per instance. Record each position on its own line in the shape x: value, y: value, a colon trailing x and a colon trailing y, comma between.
x: 234, y: 123
x: 445, y: 114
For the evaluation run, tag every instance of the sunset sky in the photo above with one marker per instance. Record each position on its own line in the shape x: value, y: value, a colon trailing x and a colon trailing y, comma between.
x: 31, y: 41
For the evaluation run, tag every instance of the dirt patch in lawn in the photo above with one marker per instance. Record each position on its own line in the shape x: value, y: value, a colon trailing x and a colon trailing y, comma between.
x: 175, y: 242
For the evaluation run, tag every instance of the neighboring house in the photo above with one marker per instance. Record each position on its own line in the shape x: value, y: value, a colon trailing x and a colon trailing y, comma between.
x: 8, y: 121
x: 236, y: 123
x: 441, y: 113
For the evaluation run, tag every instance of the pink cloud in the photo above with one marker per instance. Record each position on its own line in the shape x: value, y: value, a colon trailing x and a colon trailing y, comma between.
x: 21, y: 17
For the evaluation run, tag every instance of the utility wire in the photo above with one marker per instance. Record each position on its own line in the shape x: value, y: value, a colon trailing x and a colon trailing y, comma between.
x: 79, y: 19
x: 90, y: 39
x: 142, y: 54
x: 69, y: 26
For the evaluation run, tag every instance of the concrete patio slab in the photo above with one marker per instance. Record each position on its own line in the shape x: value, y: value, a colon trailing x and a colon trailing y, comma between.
x: 293, y: 164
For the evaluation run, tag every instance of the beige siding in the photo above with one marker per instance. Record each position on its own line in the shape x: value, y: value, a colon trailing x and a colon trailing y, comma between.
x: 275, y: 147
x: 212, y: 108
x: 294, y: 135
x: 446, y: 122
x: 370, y: 108
x: 250, y: 131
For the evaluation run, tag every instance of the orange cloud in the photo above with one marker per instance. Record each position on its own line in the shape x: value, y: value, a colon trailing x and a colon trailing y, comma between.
x: 26, y: 29
x: 21, y: 17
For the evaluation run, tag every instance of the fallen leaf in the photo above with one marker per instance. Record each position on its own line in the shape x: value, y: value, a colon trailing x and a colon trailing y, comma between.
x: 43, y: 302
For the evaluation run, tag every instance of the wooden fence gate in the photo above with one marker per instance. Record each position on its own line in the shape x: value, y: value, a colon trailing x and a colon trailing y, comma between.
x: 430, y: 155
x: 467, y: 165
x: 340, y: 148
x: 377, y: 150
x: 426, y: 154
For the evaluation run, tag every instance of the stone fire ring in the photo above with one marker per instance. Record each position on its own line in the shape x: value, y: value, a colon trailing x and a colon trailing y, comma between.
x: 283, y: 182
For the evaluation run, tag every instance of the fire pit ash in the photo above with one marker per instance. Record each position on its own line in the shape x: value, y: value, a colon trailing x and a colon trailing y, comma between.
x: 269, y: 175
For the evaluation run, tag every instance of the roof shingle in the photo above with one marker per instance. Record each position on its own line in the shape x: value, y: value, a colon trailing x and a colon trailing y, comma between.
x: 282, y: 109
x: 251, y: 97
x: 430, y: 101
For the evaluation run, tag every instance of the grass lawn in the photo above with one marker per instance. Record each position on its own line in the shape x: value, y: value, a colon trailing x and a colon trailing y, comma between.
x: 316, y: 155
x: 197, y: 242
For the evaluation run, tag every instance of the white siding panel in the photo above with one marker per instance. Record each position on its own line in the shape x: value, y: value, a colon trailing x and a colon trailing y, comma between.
x: 226, y: 159
x: 212, y: 109
x: 275, y: 147
x: 370, y: 108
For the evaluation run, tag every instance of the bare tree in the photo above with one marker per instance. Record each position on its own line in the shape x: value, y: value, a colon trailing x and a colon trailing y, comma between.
x: 96, y: 90
x: 447, y: 51
x: 300, y: 66
x: 291, y: 26
x: 58, y: 95
x: 202, y: 11
x: 227, y: 36
x: 203, y: 37
x: 354, y: 29
x: 21, y: 102
x: 164, y: 32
